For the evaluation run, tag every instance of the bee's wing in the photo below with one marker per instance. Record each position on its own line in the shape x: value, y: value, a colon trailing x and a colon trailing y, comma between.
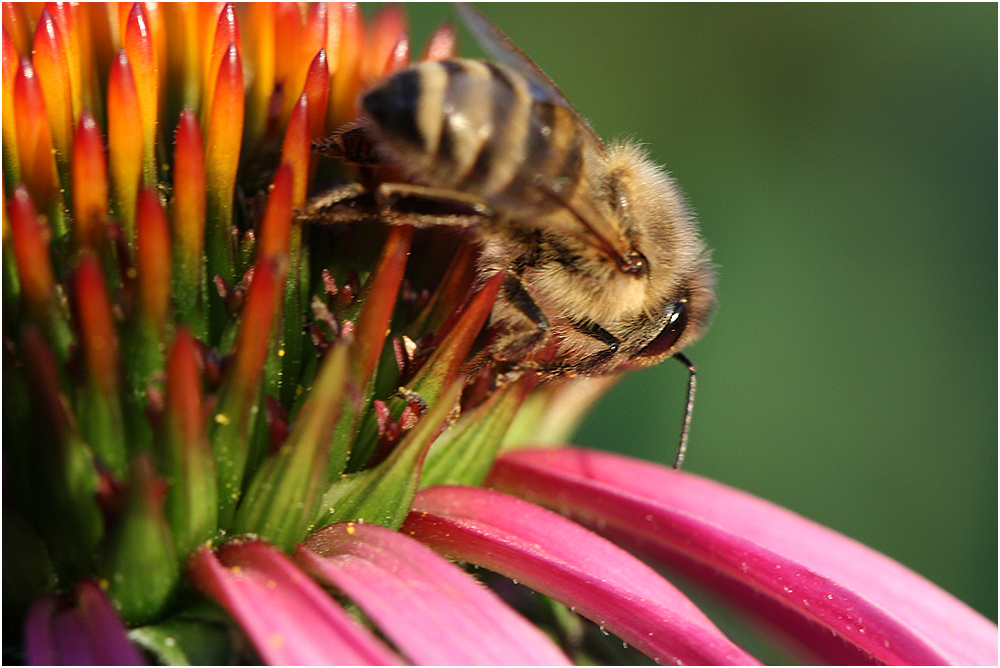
x: 605, y: 234
x: 503, y: 50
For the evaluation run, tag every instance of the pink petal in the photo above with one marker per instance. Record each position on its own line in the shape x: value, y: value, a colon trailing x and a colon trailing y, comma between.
x: 433, y: 611
x: 843, y: 600
x: 565, y: 561
x: 288, y: 617
x: 89, y: 633
x: 39, y: 641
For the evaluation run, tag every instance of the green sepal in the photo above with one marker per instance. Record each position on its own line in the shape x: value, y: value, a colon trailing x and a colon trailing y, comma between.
x: 184, y: 454
x: 283, y: 497
x: 310, y: 366
x: 464, y: 454
x: 233, y: 423
x: 27, y: 570
x: 143, y: 360
x: 383, y: 494
x: 439, y: 371
x: 186, y: 642
x: 239, y: 410
x: 188, y: 639
x: 140, y: 564
x: 219, y: 254
x: 102, y: 425
x: 384, y: 384
x: 58, y: 474
x: 291, y: 336
x: 188, y: 283
x: 378, y: 299
x: 259, y: 443
x: 142, y: 357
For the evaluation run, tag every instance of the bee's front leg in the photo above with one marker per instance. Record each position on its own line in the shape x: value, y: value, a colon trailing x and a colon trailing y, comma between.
x: 518, y: 297
x: 599, y: 359
x: 350, y: 144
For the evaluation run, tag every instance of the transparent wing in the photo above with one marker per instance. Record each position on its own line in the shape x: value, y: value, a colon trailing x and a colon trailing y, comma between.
x: 503, y: 50
x: 601, y: 229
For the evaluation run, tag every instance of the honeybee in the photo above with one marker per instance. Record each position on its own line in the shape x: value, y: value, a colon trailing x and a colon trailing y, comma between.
x: 605, y: 267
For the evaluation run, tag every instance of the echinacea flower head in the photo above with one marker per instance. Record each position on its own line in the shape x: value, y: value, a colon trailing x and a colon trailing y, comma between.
x: 235, y: 437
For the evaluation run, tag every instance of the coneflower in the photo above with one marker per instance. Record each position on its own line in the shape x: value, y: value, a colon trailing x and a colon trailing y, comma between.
x: 209, y: 458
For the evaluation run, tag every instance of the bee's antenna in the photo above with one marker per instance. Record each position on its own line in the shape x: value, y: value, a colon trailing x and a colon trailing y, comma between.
x: 688, y: 409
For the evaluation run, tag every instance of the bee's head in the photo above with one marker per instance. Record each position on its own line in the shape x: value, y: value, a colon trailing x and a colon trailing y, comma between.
x: 668, y: 250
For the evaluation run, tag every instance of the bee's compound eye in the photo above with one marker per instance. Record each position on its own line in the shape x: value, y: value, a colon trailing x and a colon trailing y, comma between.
x: 675, y: 318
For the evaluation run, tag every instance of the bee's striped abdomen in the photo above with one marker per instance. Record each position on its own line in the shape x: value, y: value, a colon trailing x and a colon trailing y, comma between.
x: 475, y: 127
x: 553, y: 161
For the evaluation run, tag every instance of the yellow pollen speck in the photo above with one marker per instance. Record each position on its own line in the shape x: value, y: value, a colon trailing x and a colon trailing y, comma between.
x: 281, y: 353
x: 235, y: 569
x: 104, y: 584
x: 222, y: 419
x: 277, y: 640
x: 350, y: 528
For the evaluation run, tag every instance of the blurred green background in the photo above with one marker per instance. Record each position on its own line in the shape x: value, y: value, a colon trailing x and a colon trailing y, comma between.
x: 842, y: 160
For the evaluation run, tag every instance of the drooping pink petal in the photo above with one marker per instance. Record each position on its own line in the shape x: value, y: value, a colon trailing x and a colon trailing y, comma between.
x: 104, y: 627
x: 288, y: 617
x: 40, y: 647
x: 433, y: 611
x: 844, y: 601
x: 87, y: 633
x: 565, y: 561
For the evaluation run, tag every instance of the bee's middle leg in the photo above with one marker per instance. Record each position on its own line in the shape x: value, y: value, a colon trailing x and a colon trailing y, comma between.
x: 392, y: 203
x: 523, y: 336
x: 345, y: 204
